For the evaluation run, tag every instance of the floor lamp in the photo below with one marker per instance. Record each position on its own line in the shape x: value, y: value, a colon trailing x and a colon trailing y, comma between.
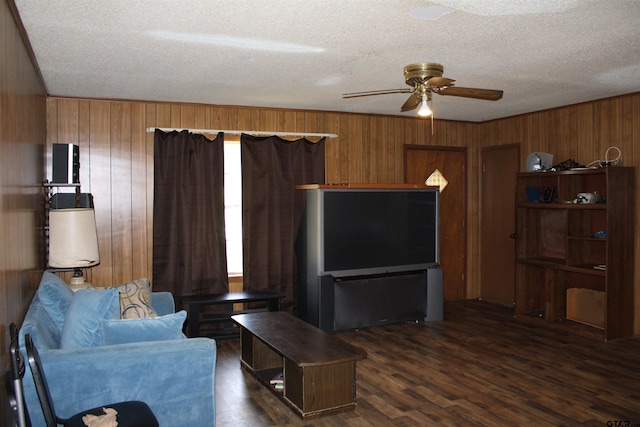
x: 73, y: 242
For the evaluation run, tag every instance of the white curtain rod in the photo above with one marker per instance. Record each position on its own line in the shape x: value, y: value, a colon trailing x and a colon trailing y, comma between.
x: 248, y: 132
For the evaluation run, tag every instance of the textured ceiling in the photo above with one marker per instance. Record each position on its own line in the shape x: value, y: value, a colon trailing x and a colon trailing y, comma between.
x: 306, y: 54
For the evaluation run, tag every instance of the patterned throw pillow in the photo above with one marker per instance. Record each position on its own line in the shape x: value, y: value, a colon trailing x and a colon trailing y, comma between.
x: 135, y: 300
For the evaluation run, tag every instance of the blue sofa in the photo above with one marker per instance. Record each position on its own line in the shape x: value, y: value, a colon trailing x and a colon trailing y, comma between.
x: 174, y: 375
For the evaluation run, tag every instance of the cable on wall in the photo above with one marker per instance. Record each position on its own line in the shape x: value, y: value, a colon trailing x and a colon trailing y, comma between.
x: 607, y: 161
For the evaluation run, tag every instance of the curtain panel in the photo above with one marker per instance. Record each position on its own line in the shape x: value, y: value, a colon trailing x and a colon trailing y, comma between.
x: 272, y: 209
x: 189, y: 249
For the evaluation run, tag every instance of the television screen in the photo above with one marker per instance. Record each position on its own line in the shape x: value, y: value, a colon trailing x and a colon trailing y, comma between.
x: 378, y: 231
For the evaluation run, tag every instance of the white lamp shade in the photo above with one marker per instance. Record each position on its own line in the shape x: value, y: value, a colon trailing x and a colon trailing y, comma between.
x: 73, y: 239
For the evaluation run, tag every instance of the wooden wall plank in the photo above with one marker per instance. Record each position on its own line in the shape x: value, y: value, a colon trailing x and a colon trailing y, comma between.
x: 314, y: 123
x: 396, y: 152
x: 100, y: 173
x: 601, y: 130
x: 187, y: 117
x: 52, y: 134
x: 332, y: 149
x: 220, y: 118
x: 343, y: 157
x: 121, y: 191
x: 633, y: 159
x: 387, y: 167
x: 287, y: 120
x: 83, y: 142
x: 163, y: 117
x: 139, y: 180
x: 626, y: 124
x: 268, y: 120
x: 67, y: 121
x: 615, y: 123
x: 200, y: 117
x: 584, y: 134
x: 367, y: 142
x: 354, y: 160
x: 150, y: 121
x: 176, y: 115
x: 381, y: 155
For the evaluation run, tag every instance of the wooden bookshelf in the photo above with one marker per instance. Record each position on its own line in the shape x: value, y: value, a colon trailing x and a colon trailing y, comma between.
x: 575, y: 261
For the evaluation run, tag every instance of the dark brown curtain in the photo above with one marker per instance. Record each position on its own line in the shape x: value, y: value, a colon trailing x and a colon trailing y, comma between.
x: 189, y: 250
x: 272, y: 209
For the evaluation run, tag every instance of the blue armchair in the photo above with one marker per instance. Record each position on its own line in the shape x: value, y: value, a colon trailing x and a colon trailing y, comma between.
x: 175, y: 377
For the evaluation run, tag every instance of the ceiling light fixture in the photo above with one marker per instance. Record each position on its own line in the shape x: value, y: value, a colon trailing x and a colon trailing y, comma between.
x: 424, y: 110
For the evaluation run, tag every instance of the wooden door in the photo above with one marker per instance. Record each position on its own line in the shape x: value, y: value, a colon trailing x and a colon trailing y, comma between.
x: 499, y: 167
x: 420, y: 162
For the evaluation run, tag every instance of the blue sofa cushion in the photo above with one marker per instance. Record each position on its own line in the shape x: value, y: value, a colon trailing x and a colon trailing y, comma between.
x: 87, y: 310
x: 55, y: 296
x: 125, y: 331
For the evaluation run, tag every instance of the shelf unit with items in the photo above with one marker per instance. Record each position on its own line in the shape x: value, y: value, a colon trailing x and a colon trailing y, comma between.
x: 575, y: 249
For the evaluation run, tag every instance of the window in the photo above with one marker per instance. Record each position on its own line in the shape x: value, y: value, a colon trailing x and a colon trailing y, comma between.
x: 233, y: 204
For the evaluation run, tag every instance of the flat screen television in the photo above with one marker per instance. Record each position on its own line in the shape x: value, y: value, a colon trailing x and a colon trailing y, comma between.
x: 377, y: 231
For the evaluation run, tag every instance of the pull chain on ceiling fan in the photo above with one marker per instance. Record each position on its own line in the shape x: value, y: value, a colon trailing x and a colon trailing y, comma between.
x: 425, y: 79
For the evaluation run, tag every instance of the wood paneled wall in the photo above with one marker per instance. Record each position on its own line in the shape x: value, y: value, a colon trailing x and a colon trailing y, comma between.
x: 117, y: 156
x: 116, y: 161
x: 581, y: 132
x: 22, y: 141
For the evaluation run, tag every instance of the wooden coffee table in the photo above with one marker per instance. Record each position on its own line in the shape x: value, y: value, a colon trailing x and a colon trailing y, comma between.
x: 318, y: 369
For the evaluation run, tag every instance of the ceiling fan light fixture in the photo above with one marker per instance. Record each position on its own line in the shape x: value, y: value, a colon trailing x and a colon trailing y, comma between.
x: 426, y: 79
x: 424, y: 110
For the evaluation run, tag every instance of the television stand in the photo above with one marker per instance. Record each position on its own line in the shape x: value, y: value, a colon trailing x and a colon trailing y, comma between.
x: 335, y: 304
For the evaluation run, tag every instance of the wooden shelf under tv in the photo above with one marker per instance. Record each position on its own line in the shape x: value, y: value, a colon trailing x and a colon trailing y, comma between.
x: 566, y: 273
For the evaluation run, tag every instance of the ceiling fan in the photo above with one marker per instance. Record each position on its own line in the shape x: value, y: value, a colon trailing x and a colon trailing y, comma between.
x: 425, y: 79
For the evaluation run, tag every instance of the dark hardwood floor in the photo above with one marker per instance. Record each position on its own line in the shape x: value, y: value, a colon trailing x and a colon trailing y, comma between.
x: 480, y: 367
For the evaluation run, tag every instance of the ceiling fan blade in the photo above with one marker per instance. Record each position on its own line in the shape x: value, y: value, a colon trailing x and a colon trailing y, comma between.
x: 411, y: 103
x: 375, y: 92
x: 468, y: 92
x: 439, y: 81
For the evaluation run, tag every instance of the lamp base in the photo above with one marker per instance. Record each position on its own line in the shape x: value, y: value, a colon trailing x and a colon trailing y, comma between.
x: 78, y: 281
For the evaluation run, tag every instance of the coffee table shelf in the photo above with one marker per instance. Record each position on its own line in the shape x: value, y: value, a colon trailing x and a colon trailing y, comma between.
x: 319, y: 369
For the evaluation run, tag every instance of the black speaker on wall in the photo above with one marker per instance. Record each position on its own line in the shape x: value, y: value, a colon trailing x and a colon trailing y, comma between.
x: 66, y: 164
